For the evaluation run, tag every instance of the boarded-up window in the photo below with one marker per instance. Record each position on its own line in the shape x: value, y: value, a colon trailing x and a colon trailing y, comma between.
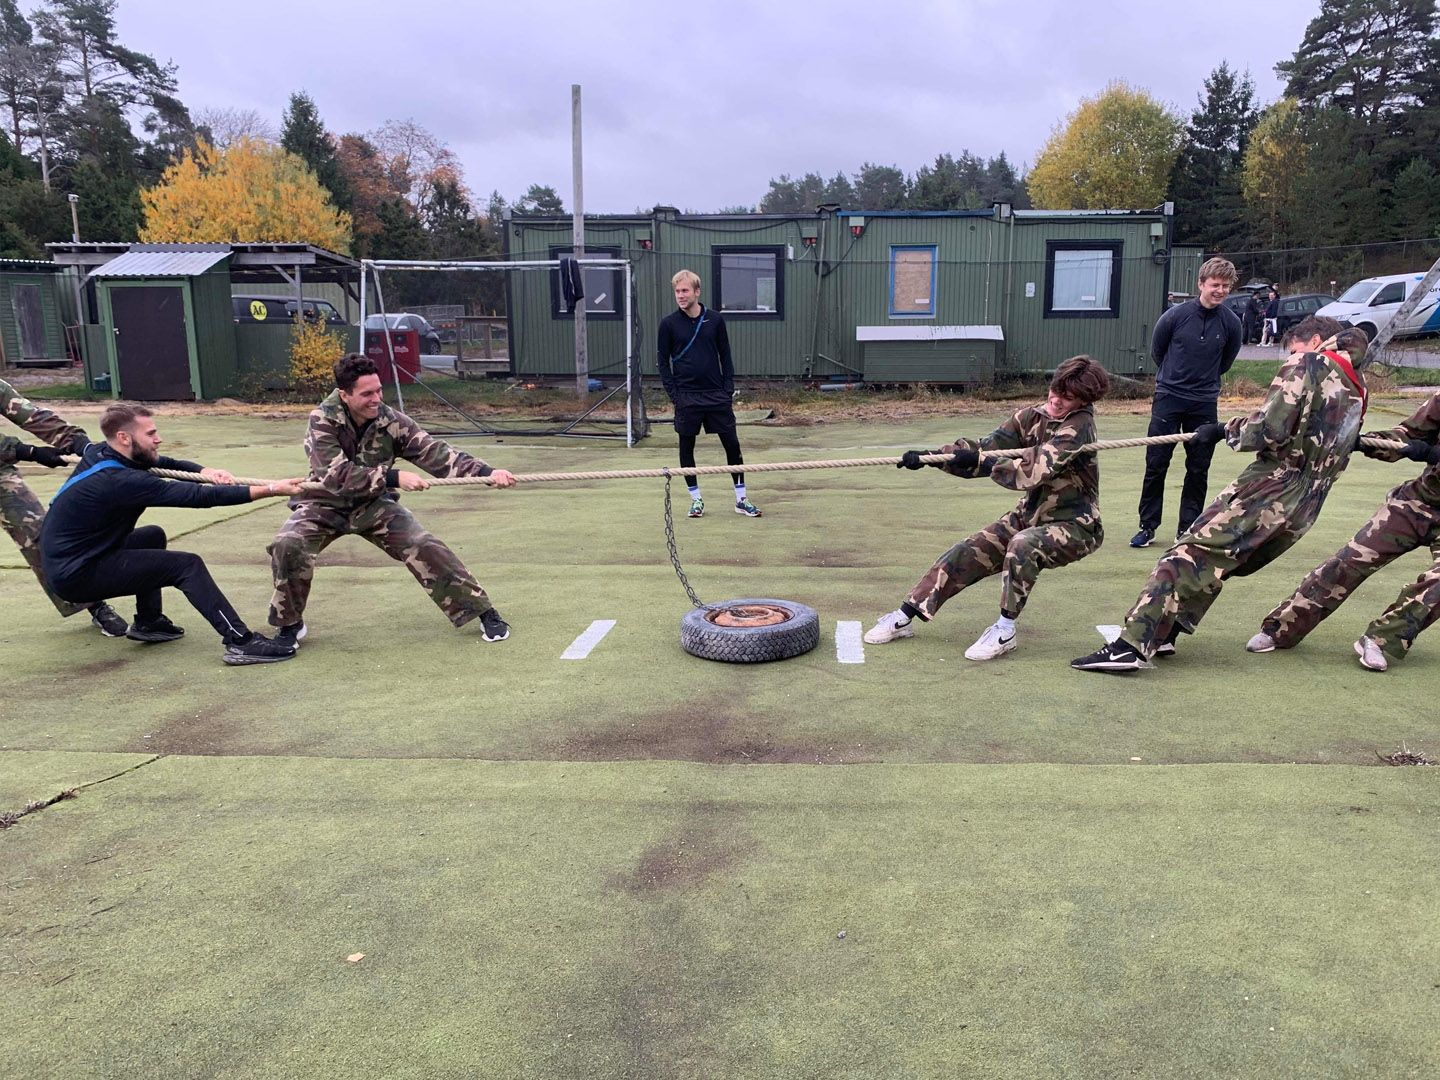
x: 912, y: 281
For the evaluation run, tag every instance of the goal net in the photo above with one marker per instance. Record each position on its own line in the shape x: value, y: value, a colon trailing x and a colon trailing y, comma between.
x: 462, y: 347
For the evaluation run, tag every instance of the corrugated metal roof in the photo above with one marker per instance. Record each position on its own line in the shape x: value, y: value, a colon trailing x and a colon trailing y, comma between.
x: 161, y: 263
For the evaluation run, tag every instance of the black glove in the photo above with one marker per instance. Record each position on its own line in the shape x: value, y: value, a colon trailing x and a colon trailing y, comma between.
x: 966, y: 460
x: 1420, y: 450
x: 911, y: 459
x: 1207, y: 435
x: 41, y: 455
x: 79, y: 443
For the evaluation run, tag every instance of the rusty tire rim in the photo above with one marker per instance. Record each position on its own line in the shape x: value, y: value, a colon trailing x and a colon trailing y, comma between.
x: 747, y: 615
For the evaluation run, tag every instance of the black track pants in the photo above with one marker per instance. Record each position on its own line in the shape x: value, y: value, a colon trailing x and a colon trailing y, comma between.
x: 141, y: 568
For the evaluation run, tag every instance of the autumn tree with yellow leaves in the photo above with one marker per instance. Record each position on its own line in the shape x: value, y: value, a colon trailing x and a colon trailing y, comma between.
x: 1114, y: 152
x: 1274, y: 172
x: 252, y: 191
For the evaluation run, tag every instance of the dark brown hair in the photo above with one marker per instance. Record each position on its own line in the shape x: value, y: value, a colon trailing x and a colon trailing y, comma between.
x: 1311, y: 325
x: 119, y: 417
x: 1082, y: 379
x: 1352, y: 339
x: 350, y: 367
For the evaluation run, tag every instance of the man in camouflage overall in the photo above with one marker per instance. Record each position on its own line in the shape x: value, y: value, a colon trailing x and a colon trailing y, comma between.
x: 1408, y: 519
x: 21, y: 513
x: 353, y: 441
x: 1057, y: 522
x: 1303, y: 435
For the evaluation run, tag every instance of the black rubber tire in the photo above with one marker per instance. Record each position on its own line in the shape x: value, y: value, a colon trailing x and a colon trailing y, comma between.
x: 1368, y: 329
x: 750, y: 644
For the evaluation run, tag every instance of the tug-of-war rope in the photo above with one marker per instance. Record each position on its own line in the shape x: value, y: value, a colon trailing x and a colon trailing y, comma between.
x: 715, y: 470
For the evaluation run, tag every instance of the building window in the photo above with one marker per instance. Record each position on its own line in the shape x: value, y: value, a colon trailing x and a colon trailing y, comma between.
x: 1082, y: 279
x: 749, y: 281
x: 912, y: 282
x: 603, y: 286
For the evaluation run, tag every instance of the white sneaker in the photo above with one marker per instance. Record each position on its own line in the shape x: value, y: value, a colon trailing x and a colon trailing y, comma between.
x: 890, y: 627
x: 1371, y: 655
x: 1261, y: 642
x: 991, y: 644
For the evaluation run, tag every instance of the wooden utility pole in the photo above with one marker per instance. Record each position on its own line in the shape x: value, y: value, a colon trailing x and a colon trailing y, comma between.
x: 582, y: 360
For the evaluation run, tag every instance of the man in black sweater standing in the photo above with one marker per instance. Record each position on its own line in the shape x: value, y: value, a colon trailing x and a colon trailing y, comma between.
x: 91, y: 549
x: 1193, y: 345
x: 694, y: 360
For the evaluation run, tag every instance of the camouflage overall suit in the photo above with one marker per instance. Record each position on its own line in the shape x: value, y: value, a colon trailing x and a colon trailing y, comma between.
x: 1302, y: 435
x: 1056, y: 523
x: 356, y: 465
x: 1409, y: 518
x: 21, y: 513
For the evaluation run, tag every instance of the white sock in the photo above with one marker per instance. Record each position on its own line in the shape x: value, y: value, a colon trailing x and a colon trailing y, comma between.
x: 694, y: 492
x: 1006, y: 626
x: 739, y: 492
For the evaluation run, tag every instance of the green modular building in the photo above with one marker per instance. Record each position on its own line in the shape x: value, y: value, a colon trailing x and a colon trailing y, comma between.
x: 160, y: 323
x: 962, y: 297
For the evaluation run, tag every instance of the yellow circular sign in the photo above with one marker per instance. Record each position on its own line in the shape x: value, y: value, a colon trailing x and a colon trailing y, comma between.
x: 259, y: 310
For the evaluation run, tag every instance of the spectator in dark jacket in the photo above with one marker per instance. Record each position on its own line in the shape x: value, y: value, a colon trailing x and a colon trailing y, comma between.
x: 1271, y: 334
x: 91, y: 549
x: 1193, y: 345
x: 693, y: 354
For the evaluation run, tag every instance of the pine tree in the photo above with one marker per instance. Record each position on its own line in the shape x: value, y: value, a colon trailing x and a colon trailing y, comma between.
x: 880, y: 187
x: 1209, y: 205
x: 304, y: 135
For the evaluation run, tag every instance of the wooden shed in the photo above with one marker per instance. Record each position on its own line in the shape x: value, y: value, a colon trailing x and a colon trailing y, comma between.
x: 163, y: 325
x: 34, y: 310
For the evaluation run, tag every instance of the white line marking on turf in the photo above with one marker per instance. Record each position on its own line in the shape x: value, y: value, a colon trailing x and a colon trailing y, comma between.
x: 1108, y: 632
x: 849, y: 648
x: 580, y: 648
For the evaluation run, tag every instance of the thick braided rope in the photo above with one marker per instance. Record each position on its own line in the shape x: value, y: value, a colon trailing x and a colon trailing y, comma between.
x: 715, y: 470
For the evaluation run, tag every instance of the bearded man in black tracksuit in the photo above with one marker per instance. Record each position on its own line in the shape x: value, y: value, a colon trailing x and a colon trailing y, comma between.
x: 693, y: 354
x: 1194, y: 343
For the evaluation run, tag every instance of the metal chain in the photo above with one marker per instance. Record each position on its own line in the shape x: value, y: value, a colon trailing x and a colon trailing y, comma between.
x: 674, y: 553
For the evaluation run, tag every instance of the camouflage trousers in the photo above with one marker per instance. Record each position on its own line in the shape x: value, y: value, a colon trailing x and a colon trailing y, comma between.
x: 1188, y: 577
x: 21, y: 515
x: 390, y: 527
x: 1011, y: 548
x: 1404, y: 523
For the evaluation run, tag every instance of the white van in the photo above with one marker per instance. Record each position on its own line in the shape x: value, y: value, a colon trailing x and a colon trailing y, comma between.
x: 1371, y: 303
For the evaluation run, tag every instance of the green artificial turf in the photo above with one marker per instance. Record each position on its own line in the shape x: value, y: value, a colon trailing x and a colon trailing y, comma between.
x: 193, y: 919
x: 382, y: 672
x: 1039, y: 872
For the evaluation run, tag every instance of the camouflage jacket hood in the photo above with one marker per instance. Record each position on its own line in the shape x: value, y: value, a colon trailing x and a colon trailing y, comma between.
x: 357, y: 463
x: 1060, y: 483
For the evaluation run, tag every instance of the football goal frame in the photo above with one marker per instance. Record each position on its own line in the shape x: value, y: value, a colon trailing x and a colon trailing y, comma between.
x: 636, y: 425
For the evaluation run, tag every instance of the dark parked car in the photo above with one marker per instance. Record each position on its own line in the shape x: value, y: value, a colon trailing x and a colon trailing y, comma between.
x: 403, y: 320
x: 1294, y: 308
x: 281, y: 309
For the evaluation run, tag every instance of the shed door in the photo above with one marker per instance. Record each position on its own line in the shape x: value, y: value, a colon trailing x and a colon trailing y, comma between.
x: 151, y: 350
x: 31, y: 320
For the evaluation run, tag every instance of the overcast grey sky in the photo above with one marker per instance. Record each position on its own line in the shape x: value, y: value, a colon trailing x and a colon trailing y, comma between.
x: 699, y: 105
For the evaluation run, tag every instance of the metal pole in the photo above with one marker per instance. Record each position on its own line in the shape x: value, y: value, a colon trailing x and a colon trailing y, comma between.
x: 582, y: 360
x: 81, y: 341
x: 629, y: 363
x: 390, y: 344
x: 1417, y: 296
